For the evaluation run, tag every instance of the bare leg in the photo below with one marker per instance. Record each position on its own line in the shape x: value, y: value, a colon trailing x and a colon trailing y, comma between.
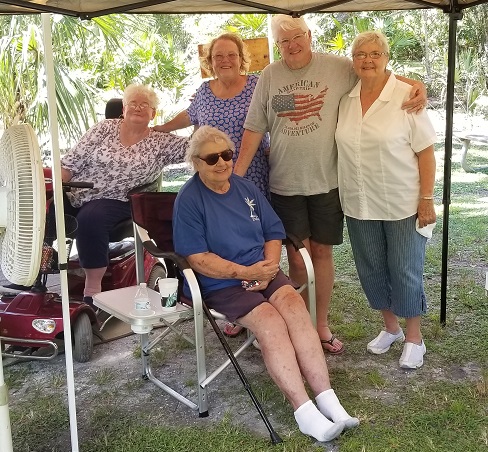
x: 93, y: 280
x: 309, y: 354
x: 391, y: 322
x: 278, y: 352
x: 323, y: 262
x: 283, y: 366
x: 413, y: 330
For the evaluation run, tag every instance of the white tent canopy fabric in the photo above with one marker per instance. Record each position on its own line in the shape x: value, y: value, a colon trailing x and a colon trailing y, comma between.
x: 87, y: 9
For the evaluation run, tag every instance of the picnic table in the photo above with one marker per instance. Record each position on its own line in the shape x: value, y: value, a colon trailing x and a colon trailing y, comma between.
x: 466, y: 138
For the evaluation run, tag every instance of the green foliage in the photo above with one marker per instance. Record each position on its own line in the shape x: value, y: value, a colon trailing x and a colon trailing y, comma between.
x: 248, y: 25
x: 103, y: 55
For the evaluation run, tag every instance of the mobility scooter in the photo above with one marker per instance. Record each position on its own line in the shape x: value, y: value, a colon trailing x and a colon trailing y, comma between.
x: 31, y: 322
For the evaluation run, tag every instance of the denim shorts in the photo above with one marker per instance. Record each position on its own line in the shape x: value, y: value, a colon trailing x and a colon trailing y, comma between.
x: 389, y: 257
x: 318, y: 217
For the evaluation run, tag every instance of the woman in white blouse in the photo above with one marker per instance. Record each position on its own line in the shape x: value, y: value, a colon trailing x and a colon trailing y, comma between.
x: 386, y: 183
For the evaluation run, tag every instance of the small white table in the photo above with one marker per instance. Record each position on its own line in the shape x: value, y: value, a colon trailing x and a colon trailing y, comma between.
x: 120, y: 303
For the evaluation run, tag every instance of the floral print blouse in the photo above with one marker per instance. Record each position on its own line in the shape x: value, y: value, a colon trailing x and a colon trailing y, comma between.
x: 99, y: 157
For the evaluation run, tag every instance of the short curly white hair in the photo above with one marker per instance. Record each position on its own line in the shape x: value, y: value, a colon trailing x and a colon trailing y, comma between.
x: 370, y: 36
x: 203, y: 135
x: 144, y: 90
x: 286, y: 23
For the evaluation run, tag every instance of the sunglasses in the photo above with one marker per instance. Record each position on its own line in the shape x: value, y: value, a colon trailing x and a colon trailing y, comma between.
x: 212, y: 159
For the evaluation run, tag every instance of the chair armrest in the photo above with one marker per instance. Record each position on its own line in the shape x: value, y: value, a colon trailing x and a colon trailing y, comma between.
x: 179, y: 260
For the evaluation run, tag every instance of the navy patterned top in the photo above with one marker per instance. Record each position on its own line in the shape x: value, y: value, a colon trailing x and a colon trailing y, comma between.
x: 229, y: 115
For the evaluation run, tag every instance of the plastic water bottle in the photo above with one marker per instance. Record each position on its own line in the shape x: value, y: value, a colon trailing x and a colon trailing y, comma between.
x: 141, y: 299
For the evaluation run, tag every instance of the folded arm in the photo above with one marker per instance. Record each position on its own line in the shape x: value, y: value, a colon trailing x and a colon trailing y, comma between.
x: 213, y: 266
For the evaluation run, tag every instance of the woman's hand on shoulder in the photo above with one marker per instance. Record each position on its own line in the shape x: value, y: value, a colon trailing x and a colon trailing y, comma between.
x: 161, y: 128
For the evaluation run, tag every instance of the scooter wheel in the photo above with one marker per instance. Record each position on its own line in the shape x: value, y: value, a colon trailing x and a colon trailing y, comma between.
x: 157, y: 273
x: 83, y: 339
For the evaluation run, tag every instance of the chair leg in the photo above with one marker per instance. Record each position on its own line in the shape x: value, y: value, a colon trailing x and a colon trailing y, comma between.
x: 275, y: 439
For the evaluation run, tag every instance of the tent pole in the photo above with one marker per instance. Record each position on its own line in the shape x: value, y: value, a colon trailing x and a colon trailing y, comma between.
x: 60, y: 230
x: 5, y: 429
x: 454, y: 16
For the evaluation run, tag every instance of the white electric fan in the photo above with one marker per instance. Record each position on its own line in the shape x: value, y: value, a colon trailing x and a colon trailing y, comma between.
x: 22, y: 205
x: 22, y: 219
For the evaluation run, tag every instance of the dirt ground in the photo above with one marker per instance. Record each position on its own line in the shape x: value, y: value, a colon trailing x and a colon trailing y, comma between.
x: 115, y: 368
x: 226, y: 394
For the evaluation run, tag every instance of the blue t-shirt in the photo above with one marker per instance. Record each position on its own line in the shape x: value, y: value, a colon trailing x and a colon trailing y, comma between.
x: 234, y: 225
x: 229, y: 115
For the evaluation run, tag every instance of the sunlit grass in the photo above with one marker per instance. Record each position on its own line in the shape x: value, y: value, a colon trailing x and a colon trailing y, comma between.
x: 441, y: 407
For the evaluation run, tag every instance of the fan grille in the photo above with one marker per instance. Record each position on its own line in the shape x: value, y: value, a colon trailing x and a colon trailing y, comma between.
x: 21, y: 173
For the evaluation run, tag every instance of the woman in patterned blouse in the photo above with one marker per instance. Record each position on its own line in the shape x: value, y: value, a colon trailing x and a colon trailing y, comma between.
x: 116, y: 155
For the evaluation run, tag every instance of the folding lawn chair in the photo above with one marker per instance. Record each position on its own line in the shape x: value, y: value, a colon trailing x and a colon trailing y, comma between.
x: 152, y: 215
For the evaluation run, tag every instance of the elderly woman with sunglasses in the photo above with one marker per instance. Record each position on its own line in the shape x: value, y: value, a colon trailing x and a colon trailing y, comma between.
x: 230, y: 235
x: 223, y: 103
x: 386, y: 183
x: 116, y: 155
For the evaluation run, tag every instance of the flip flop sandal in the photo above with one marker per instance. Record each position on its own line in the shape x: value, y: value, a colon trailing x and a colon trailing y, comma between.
x: 232, y: 330
x: 330, y: 342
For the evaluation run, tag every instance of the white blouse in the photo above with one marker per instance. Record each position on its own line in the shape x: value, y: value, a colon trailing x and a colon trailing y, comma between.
x: 377, y: 154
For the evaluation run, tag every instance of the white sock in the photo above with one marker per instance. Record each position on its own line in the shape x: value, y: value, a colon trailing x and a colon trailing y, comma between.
x: 311, y: 422
x: 330, y: 407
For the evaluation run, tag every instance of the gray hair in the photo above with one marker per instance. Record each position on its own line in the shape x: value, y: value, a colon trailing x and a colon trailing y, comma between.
x: 370, y: 36
x: 286, y: 23
x: 143, y: 90
x: 203, y: 135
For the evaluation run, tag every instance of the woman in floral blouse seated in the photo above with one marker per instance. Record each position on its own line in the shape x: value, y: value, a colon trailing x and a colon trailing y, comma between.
x: 116, y: 155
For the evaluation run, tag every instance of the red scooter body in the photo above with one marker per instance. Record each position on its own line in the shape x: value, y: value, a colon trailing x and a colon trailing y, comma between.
x: 34, y: 319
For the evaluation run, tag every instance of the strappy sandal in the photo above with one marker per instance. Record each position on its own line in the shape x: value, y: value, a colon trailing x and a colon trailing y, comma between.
x: 233, y: 330
x: 330, y: 343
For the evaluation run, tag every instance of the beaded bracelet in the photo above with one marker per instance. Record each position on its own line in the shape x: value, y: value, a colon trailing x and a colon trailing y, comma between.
x: 427, y: 197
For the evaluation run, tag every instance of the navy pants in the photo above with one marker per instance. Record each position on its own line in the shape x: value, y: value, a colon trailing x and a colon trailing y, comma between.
x: 95, y: 220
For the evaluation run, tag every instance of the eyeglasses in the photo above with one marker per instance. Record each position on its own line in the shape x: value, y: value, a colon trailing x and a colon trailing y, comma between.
x: 219, y: 57
x: 286, y: 42
x: 372, y: 55
x: 133, y: 105
x: 212, y: 159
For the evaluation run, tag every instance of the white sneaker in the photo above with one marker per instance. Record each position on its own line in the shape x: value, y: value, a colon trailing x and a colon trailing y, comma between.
x: 382, y: 343
x: 412, y: 355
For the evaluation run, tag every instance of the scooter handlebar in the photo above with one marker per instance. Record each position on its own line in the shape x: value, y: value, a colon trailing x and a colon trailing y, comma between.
x: 78, y: 184
x: 68, y: 185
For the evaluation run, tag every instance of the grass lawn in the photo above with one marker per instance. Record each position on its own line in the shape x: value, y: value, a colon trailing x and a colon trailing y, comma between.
x: 441, y: 407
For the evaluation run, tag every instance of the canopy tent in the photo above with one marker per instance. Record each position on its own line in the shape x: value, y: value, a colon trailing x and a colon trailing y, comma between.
x: 87, y: 9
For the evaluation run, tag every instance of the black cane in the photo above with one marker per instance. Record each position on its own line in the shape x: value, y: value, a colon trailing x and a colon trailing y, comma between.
x: 275, y: 439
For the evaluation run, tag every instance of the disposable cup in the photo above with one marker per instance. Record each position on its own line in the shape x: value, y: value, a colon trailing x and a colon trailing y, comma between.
x: 168, y: 289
